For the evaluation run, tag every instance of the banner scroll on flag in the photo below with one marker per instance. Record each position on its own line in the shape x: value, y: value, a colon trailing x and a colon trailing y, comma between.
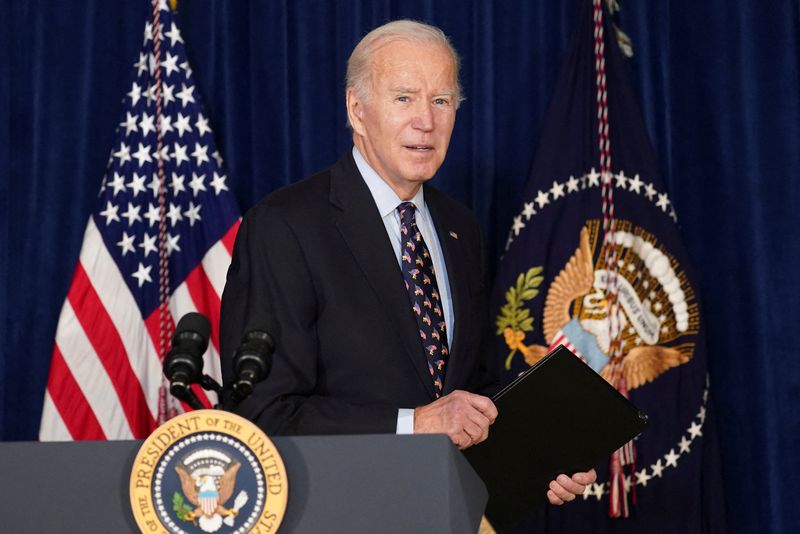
x: 162, y: 231
x: 594, y: 261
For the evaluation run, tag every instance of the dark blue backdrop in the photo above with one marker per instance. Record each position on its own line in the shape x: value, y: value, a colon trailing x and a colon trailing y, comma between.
x: 719, y: 87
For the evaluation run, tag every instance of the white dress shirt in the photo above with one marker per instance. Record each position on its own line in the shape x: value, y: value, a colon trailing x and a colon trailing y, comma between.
x: 387, y: 201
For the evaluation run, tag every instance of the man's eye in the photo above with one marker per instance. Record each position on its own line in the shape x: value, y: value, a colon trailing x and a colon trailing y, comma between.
x: 403, y: 99
x: 441, y: 101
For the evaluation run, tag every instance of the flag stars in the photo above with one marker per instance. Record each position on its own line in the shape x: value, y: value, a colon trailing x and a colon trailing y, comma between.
x: 518, y: 225
x: 129, y: 124
x: 148, y: 245
x: 143, y: 154
x: 170, y: 64
x: 529, y: 211
x: 217, y: 157
x: 197, y: 184
x: 148, y: 32
x: 542, y: 199
x: 186, y: 94
x: 202, y: 125
x: 182, y: 124
x: 147, y: 124
x: 136, y: 184
x: 167, y: 93
x: 177, y: 184
x: 141, y: 66
x: 702, y: 414
x: 557, y: 190
x: 153, y: 214
x: 695, y: 430
x: 174, y: 35
x: 193, y: 213
x: 151, y: 61
x: 126, y: 243
x: 186, y: 68
x: 622, y: 180
x: 118, y: 183
x: 174, y: 215
x: 123, y: 154
x: 663, y: 202
x: 179, y: 154
x: 649, y: 191
x: 671, y: 458
x: 572, y: 185
x: 684, y: 444
x: 635, y: 184
x: 150, y: 94
x: 164, y: 155
x: 132, y: 214
x: 642, y: 478
x: 218, y: 183
x: 172, y: 243
x: 154, y: 185
x: 142, y: 274
x: 593, y: 178
x: 110, y: 213
x: 657, y: 468
x: 200, y: 153
x: 165, y: 123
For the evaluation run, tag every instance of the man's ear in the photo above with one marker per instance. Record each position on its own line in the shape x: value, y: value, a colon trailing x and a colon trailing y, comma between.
x: 355, y: 111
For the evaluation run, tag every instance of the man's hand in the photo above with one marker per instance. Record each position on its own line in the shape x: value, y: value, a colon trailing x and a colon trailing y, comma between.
x: 564, y: 488
x: 464, y: 417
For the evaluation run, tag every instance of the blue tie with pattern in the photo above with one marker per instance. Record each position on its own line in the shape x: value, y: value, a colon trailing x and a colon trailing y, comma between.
x: 420, y: 279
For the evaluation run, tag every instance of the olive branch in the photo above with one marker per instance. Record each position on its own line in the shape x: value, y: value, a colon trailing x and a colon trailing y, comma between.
x: 513, y: 315
x: 179, y: 506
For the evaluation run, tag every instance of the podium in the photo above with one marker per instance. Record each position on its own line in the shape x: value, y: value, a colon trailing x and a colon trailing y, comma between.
x: 347, y: 484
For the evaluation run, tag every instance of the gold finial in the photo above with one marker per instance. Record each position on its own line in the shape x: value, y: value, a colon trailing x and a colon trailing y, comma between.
x: 173, y: 4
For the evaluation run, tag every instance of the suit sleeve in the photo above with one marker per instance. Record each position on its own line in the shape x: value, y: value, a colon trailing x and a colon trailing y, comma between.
x: 269, y: 273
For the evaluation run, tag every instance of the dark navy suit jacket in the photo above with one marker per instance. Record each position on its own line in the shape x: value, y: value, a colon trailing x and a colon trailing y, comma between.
x: 316, y: 255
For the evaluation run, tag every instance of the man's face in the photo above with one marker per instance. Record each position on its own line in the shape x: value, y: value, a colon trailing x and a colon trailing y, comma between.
x: 403, y: 128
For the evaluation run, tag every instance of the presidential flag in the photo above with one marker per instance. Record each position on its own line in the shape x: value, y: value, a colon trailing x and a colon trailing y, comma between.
x: 157, y: 245
x: 594, y: 261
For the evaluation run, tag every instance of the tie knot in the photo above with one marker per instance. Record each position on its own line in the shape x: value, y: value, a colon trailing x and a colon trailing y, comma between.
x: 406, y: 211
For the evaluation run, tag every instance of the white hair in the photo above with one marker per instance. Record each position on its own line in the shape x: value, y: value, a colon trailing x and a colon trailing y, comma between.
x: 358, y: 65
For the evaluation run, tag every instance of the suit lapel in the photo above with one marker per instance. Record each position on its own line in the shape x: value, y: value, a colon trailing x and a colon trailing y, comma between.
x: 456, y: 261
x: 363, y: 230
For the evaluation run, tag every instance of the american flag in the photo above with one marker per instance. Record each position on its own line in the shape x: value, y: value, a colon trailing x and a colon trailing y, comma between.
x: 105, y: 375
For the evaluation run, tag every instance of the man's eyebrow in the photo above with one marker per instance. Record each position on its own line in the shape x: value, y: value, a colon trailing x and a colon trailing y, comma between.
x: 402, y: 89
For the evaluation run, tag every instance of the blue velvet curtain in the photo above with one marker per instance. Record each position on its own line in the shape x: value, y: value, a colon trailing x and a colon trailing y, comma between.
x: 718, y: 83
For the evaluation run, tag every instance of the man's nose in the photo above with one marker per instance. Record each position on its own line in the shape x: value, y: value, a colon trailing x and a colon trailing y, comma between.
x: 423, y: 120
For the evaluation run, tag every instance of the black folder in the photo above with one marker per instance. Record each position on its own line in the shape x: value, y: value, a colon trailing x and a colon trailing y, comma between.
x: 560, y: 416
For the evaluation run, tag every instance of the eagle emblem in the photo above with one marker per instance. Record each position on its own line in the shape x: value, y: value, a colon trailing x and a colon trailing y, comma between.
x: 657, y: 307
x: 208, y: 480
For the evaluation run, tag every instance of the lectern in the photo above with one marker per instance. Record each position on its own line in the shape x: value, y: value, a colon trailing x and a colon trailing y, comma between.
x: 348, y: 484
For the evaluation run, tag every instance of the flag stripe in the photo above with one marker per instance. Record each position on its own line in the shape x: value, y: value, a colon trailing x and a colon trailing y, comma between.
x: 230, y: 236
x: 119, y: 303
x: 104, y: 338
x: 66, y: 414
x: 91, y: 377
x: 215, y: 263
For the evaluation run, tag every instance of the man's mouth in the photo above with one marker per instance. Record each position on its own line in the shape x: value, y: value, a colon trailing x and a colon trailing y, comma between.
x: 420, y: 148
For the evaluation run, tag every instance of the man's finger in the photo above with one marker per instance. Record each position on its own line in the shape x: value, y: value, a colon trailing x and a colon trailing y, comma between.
x: 570, y: 484
x: 473, y: 431
x: 562, y: 492
x: 554, y: 499
x: 484, y: 405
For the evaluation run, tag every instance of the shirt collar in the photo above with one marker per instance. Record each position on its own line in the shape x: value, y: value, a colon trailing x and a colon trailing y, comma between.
x: 385, y: 197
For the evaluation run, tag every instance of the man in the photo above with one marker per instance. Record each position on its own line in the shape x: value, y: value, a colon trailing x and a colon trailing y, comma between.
x: 375, y: 277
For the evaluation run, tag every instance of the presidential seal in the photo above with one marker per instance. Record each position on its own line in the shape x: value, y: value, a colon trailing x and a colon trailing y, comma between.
x: 208, y: 471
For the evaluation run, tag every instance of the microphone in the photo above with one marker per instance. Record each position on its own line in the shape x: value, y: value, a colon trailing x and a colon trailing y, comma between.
x: 252, y: 361
x: 183, y: 366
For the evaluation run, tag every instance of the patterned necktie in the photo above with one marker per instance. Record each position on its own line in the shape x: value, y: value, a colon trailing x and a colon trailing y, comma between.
x: 420, y: 278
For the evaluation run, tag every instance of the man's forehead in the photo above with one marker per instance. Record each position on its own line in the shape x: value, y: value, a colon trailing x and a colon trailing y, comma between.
x: 400, y: 62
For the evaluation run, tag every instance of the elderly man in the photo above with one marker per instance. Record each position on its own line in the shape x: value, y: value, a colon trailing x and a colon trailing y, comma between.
x: 375, y: 276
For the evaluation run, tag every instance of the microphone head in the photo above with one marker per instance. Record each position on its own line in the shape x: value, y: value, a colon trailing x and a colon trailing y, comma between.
x: 263, y: 323
x: 194, y: 322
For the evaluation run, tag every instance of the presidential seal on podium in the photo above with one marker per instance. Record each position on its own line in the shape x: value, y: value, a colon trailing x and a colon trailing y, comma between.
x: 208, y: 471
